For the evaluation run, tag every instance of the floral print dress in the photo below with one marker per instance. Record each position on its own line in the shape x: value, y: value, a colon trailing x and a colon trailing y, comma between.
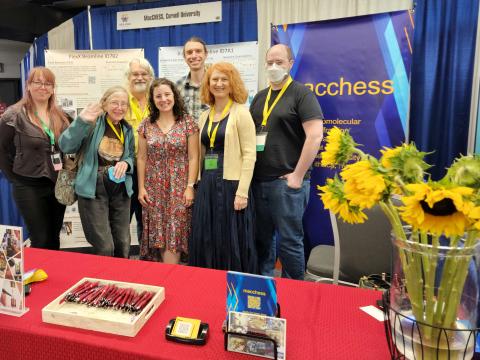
x: 166, y: 221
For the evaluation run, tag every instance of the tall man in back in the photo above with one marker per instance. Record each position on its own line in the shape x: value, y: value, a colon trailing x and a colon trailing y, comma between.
x: 195, y: 54
x: 289, y: 126
x: 139, y: 75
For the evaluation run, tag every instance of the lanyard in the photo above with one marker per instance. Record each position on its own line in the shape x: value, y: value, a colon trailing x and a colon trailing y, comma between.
x: 135, y: 106
x: 213, y: 134
x: 267, y: 111
x: 120, y: 137
x: 47, y: 130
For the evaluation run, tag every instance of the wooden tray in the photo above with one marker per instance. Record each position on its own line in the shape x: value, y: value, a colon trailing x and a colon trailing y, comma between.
x: 102, y: 319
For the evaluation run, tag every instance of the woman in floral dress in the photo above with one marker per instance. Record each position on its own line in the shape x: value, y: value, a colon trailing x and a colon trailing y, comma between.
x: 167, y: 170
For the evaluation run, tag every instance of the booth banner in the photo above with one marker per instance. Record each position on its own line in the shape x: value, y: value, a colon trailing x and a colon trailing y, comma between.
x: 244, y: 55
x: 359, y: 69
x: 82, y: 76
x: 170, y: 16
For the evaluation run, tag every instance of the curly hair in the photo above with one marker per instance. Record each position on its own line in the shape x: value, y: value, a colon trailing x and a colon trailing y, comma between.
x: 238, y: 92
x: 178, y: 106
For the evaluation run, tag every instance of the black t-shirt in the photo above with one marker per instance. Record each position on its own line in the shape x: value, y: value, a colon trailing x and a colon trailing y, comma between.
x: 286, y: 136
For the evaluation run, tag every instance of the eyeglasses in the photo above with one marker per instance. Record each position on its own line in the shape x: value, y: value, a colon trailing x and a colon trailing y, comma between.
x: 39, y: 84
x: 140, y: 74
x: 117, y: 104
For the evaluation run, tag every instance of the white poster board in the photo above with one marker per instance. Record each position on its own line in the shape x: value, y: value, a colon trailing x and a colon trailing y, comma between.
x: 243, y: 55
x: 82, y: 76
x: 12, y: 293
x: 72, y: 235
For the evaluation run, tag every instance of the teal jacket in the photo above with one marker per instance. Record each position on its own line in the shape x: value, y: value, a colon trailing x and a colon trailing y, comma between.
x: 71, y: 140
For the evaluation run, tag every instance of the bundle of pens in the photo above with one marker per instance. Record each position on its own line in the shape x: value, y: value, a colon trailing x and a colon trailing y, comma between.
x: 109, y: 296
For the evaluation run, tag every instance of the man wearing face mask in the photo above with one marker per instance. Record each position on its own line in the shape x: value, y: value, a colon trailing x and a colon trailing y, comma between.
x: 289, y: 127
x: 139, y: 76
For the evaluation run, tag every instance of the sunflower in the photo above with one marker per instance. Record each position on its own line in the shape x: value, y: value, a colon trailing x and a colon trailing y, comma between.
x: 339, y: 148
x: 474, y: 215
x: 364, y: 186
x: 405, y: 161
x: 334, y: 199
x: 465, y: 171
x: 387, y: 155
x: 437, y: 209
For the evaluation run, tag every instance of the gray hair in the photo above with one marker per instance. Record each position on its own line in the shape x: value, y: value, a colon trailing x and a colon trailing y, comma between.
x: 109, y: 92
x: 143, y: 63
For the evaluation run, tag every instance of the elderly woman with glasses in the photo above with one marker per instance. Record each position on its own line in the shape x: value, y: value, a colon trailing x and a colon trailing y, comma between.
x: 30, y: 157
x: 104, y: 178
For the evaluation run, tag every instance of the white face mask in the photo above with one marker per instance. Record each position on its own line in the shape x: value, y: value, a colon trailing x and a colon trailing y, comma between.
x: 276, y: 73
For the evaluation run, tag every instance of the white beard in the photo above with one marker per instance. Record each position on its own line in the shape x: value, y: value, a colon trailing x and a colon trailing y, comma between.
x: 140, y: 88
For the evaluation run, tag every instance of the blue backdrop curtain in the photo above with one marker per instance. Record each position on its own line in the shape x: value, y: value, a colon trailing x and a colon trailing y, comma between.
x: 80, y: 26
x: 9, y: 214
x: 239, y: 23
x: 40, y: 44
x: 442, y: 70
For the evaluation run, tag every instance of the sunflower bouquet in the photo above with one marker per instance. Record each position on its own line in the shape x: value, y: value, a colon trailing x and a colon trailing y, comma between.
x: 441, y: 214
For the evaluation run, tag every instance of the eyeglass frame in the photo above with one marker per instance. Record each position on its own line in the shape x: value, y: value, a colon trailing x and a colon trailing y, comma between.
x: 39, y: 85
x: 146, y: 74
x: 116, y: 105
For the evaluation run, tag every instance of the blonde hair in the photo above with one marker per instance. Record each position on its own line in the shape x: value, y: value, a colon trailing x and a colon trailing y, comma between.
x: 238, y: 92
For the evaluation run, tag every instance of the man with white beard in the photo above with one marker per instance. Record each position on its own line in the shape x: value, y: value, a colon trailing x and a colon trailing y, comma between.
x: 139, y: 76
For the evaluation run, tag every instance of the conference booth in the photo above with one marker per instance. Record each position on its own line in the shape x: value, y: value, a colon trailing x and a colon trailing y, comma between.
x: 390, y: 73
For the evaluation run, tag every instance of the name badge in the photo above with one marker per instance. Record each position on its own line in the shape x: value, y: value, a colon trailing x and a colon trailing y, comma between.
x: 57, y: 161
x: 261, y: 140
x: 211, y: 161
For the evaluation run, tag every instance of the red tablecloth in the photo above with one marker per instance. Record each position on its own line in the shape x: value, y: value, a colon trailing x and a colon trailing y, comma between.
x: 323, y: 321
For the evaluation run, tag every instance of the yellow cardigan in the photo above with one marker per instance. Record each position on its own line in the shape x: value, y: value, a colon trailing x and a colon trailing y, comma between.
x: 240, y: 148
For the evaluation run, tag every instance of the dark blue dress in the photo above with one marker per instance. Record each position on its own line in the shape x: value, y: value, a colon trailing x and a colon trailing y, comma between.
x: 222, y: 238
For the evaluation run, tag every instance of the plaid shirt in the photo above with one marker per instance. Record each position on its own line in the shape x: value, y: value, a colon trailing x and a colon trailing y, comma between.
x: 191, y: 97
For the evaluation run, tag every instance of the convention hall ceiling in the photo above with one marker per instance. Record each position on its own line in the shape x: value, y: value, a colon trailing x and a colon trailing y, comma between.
x: 23, y: 20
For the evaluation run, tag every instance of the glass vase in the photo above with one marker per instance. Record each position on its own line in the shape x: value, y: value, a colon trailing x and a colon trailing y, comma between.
x: 434, y: 296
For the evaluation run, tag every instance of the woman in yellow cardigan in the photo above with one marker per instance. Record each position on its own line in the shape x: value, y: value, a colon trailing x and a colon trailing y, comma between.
x: 223, y: 219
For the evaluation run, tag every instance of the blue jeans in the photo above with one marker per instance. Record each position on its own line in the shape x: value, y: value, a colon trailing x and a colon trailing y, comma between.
x: 280, y: 209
